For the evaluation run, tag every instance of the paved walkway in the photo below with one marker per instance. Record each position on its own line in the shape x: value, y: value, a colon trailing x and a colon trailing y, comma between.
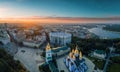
x: 89, y: 64
x: 61, y: 65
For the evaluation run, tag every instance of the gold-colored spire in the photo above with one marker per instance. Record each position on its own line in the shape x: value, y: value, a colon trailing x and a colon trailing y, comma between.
x: 76, y: 50
x: 73, y: 50
x: 80, y: 56
x: 48, y: 47
x: 70, y: 55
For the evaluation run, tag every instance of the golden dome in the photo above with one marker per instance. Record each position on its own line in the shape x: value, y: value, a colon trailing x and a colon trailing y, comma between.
x: 48, y: 47
x: 80, y: 55
x: 73, y: 57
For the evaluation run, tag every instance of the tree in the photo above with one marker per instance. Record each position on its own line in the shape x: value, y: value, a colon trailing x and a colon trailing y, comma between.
x: 8, y: 64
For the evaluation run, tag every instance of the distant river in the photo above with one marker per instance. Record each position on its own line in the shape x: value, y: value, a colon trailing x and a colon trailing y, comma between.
x: 104, y: 33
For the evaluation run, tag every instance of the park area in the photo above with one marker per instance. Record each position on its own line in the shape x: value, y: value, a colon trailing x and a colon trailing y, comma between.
x: 114, y: 65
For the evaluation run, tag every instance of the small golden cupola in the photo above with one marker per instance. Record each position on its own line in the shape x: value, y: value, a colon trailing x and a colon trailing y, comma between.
x: 48, y: 47
x: 80, y: 55
x: 73, y: 51
x: 70, y: 54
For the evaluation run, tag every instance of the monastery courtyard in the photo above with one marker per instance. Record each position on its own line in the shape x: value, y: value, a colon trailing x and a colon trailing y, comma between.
x: 30, y: 58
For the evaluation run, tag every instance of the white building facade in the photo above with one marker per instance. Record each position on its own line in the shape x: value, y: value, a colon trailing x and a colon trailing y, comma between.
x: 60, y: 38
x: 4, y: 37
x: 99, y: 54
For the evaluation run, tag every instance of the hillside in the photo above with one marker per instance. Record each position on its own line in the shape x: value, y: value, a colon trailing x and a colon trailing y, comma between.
x: 8, y: 64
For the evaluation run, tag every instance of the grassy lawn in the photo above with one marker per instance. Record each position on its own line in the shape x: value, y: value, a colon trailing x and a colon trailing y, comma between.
x: 115, y: 64
x: 99, y: 63
x: 116, y: 59
x: 92, y: 58
x: 114, y: 68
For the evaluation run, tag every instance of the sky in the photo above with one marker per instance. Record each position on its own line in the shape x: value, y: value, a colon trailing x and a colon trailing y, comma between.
x: 60, y: 8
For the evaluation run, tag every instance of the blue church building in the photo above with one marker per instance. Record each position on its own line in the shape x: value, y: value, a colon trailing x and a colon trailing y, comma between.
x: 74, y: 62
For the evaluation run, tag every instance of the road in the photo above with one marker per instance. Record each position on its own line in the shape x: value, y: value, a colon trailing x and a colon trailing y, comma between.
x: 107, y: 60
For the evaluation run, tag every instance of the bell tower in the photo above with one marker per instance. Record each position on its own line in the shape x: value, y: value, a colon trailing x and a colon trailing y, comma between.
x: 48, y: 53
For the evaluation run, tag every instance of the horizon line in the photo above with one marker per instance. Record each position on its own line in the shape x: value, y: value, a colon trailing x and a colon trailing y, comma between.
x: 50, y: 19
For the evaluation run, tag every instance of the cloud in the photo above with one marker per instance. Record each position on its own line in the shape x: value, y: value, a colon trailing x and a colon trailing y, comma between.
x: 4, y: 12
x: 3, y: 9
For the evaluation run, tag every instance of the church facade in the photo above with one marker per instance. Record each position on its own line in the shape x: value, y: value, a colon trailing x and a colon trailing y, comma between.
x: 75, y: 62
x: 60, y: 38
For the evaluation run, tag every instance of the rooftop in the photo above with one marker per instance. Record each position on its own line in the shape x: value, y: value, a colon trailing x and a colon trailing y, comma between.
x: 61, y: 34
x: 100, y: 51
x: 60, y: 48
